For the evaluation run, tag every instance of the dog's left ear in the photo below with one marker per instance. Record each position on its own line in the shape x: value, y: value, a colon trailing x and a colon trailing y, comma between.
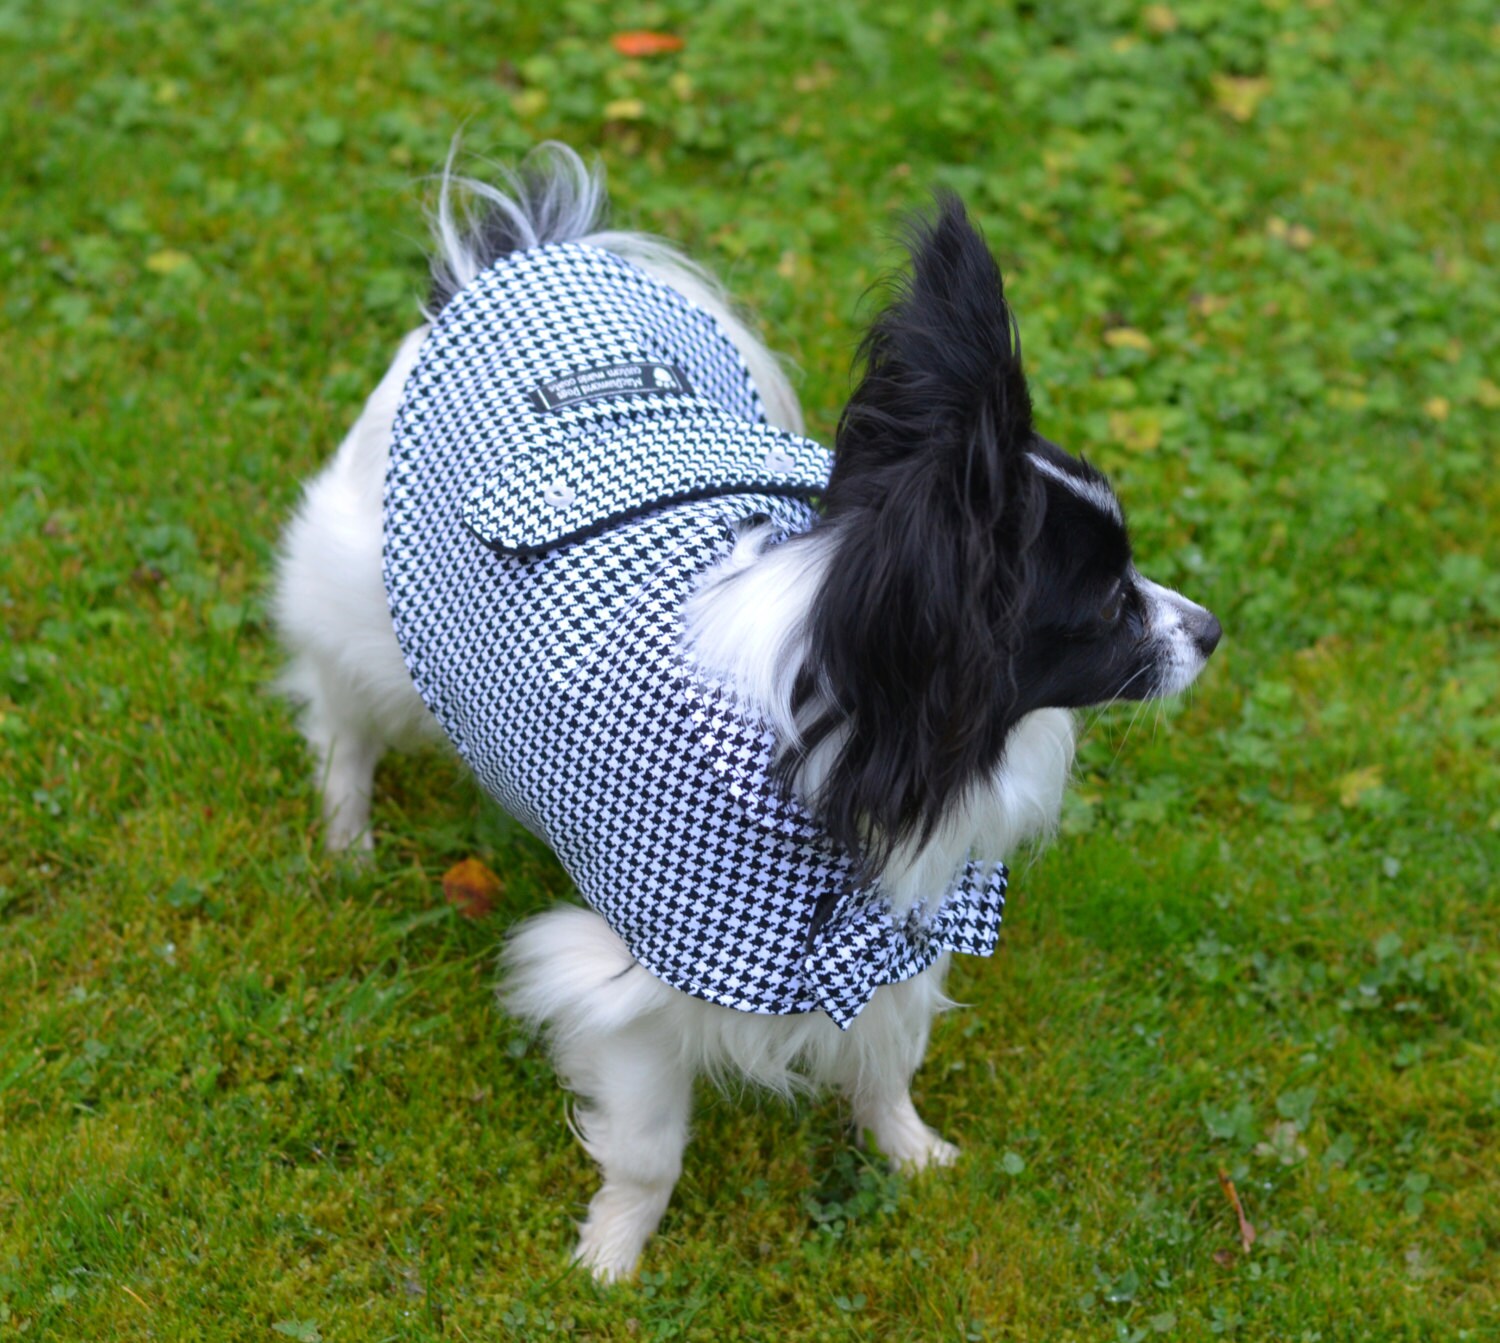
x: 943, y: 389
x: 934, y: 508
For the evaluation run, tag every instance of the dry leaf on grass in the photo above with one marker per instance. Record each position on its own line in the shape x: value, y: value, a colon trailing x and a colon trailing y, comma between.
x: 471, y: 888
x: 1127, y: 338
x: 637, y: 44
x: 1247, y: 1232
x: 1239, y: 95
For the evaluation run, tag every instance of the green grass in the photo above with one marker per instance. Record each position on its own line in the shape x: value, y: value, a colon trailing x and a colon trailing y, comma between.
x: 245, y: 1094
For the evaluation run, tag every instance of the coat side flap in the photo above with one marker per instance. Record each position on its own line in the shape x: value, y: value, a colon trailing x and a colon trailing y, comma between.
x: 559, y: 493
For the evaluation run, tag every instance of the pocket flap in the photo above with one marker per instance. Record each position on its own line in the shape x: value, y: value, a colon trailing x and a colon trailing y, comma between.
x: 571, y: 490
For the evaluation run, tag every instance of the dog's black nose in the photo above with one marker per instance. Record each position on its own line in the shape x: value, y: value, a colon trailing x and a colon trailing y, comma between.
x: 1208, y: 633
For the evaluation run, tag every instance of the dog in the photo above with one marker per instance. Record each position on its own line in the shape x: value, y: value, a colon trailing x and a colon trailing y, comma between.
x: 782, y: 714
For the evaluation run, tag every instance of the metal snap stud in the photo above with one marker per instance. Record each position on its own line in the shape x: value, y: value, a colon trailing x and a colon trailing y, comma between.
x: 559, y: 494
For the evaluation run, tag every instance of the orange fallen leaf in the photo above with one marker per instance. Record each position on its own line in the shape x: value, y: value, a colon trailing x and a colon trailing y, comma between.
x: 645, y: 43
x: 471, y: 888
x: 1247, y: 1232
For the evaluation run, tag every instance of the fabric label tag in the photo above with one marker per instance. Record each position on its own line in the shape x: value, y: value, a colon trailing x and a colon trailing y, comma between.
x: 611, y: 381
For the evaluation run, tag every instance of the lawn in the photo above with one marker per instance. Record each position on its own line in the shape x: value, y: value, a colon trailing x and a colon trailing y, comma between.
x: 249, y: 1093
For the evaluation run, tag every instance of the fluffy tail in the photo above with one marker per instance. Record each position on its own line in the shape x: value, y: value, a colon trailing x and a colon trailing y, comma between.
x: 553, y: 196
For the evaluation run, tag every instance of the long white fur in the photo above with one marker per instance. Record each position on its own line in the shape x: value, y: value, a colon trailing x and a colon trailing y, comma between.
x: 625, y: 1042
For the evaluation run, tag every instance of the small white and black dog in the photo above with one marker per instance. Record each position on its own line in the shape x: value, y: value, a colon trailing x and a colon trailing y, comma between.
x: 781, y: 751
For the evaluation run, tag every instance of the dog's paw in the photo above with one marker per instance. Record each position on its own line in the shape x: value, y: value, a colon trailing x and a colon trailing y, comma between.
x: 901, y: 1136
x: 605, y: 1258
x: 926, y: 1155
x: 355, y: 847
x: 621, y: 1219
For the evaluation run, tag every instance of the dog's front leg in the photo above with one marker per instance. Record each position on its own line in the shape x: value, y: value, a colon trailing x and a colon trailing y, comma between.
x: 876, y: 1061
x: 347, y: 754
x: 637, y: 1094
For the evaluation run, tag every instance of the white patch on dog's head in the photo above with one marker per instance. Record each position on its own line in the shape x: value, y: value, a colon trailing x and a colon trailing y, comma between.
x: 1087, y: 488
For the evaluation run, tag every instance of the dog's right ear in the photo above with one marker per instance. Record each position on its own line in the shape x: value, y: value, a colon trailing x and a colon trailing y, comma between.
x: 935, y: 509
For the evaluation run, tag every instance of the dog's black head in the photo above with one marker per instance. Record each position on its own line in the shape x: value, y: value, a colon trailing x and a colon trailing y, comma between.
x: 980, y: 573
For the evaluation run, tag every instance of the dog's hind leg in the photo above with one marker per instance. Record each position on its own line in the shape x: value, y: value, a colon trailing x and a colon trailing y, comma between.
x: 637, y: 1094
x: 617, y: 1044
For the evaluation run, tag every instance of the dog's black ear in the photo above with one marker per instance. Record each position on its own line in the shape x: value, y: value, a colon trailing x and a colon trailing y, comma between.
x: 943, y: 386
x: 935, y: 509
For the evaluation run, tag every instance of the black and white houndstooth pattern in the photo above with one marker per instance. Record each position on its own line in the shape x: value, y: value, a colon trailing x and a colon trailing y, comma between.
x: 573, y: 450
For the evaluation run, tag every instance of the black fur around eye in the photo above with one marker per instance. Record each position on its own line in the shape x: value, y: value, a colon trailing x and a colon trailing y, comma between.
x: 1110, y: 611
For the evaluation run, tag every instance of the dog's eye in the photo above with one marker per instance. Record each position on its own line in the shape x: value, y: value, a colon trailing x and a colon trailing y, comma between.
x: 1110, y: 611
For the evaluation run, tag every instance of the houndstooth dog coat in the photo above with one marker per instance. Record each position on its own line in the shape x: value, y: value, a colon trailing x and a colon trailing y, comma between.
x: 574, y: 449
